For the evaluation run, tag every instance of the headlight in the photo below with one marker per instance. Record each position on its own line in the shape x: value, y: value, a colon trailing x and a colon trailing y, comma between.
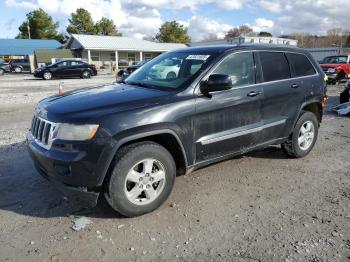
x: 331, y: 70
x: 75, y: 132
x: 348, y: 84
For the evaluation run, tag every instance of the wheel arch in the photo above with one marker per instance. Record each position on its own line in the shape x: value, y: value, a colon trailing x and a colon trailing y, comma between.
x: 165, y: 137
x: 316, y: 108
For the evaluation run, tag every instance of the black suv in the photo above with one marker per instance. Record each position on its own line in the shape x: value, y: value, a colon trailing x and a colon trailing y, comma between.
x: 128, y: 141
x: 66, y: 68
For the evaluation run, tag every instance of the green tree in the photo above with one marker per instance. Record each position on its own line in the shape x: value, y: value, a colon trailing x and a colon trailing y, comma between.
x: 81, y: 23
x: 40, y: 25
x: 107, y: 27
x: 265, y: 34
x: 173, y: 32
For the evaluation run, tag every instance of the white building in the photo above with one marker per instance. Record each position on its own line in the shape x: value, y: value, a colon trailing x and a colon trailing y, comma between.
x: 249, y: 40
x: 116, y: 51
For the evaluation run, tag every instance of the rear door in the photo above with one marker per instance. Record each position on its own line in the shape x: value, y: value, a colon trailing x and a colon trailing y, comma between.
x: 229, y: 121
x: 77, y: 67
x: 283, y: 95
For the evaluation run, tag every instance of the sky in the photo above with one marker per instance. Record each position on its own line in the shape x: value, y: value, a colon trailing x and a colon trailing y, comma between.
x: 203, y: 18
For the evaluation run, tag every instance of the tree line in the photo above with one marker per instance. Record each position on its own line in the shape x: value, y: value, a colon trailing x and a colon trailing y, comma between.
x: 40, y: 25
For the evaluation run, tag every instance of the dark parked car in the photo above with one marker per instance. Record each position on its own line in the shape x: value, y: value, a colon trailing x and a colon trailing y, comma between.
x: 67, y: 68
x: 129, y: 141
x: 4, y: 67
x: 19, y: 65
x: 123, y: 74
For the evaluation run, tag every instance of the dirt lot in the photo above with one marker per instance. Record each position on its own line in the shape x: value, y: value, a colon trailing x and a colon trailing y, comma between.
x: 259, y: 207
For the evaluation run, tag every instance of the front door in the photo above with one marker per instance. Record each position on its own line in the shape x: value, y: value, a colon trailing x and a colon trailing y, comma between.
x: 229, y: 121
x: 62, y: 69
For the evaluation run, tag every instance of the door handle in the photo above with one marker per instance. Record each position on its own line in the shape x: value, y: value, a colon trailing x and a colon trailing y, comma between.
x: 294, y: 86
x: 253, y: 93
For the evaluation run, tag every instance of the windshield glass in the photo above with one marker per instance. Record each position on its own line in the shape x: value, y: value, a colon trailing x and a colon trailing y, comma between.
x: 173, y: 70
x: 335, y: 60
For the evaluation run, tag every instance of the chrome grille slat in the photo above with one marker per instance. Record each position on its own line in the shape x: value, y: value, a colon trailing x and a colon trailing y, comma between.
x: 42, y: 131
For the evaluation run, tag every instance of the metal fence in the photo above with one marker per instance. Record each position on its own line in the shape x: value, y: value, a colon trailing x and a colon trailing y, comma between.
x: 320, y: 53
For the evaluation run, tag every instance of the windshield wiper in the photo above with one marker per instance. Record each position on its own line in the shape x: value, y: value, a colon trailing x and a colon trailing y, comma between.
x: 140, y: 84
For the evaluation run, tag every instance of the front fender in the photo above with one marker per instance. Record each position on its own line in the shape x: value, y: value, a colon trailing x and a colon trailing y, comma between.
x: 134, y: 134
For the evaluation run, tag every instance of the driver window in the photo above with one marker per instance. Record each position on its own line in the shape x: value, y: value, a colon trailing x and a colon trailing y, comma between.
x: 65, y: 63
x: 239, y: 67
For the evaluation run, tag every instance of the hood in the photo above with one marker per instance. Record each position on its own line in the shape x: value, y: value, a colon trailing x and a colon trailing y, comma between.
x: 102, y: 100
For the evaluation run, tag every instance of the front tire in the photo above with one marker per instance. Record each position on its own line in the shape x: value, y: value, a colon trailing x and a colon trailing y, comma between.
x: 47, y: 75
x: 171, y: 75
x: 141, y: 180
x: 2, y: 72
x: 304, y: 136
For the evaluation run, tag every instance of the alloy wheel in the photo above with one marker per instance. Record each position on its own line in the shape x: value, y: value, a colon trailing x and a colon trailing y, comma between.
x: 145, y: 181
x: 306, y: 135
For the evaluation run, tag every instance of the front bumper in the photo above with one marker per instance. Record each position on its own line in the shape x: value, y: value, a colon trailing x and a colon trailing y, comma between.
x: 38, y: 74
x: 331, y: 76
x: 77, y: 171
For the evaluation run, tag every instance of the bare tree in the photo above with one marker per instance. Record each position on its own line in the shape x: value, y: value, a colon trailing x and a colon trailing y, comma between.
x: 242, y: 30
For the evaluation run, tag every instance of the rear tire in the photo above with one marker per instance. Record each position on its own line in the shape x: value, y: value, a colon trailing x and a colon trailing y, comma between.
x: 18, y: 69
x: 2, y: 72
x: 142, y: 178
x: 304, y: 136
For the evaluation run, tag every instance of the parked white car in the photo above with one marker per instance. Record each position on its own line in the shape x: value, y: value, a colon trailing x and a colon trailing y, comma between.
x: 168, y: 69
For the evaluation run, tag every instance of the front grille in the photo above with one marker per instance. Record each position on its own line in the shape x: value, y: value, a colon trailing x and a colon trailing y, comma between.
x: 42, y: 131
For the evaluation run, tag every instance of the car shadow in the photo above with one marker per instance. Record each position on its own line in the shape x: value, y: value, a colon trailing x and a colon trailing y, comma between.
x: 24, y: 191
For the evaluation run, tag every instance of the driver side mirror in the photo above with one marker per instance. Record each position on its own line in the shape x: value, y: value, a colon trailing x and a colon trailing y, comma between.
x: 216, y: 82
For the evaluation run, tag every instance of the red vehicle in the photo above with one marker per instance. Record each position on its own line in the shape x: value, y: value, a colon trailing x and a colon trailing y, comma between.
x: 336, y: 67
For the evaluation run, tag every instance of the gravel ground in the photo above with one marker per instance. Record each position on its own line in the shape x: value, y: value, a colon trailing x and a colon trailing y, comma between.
x: 262, y: 206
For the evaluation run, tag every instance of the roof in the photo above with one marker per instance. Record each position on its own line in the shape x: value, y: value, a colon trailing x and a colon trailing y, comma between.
x: 223, y: 48
x: 25, y: 46
x: 45, y: 55
x: 248, y: 39
x: 98, y: 42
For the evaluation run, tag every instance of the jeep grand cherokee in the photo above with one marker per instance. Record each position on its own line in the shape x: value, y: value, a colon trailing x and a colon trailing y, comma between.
x: 129, y: 141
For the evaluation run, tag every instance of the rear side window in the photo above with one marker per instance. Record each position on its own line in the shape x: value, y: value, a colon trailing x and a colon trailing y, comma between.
x: 301, y: 65
x: 274, y: 66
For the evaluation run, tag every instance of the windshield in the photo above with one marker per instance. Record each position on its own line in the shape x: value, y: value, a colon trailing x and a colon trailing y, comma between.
x: 173, y: 70
x: 335, y: 60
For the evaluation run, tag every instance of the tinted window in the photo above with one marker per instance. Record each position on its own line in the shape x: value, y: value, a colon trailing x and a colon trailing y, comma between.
x: 75, y: 63
x: 65, y: 63
x: 301, y: 64
x: 274, y: 66
x: 239, y: 67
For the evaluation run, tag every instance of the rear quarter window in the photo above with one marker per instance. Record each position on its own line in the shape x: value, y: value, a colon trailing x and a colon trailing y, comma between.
x: 274, y: 66
x: 301, y: 65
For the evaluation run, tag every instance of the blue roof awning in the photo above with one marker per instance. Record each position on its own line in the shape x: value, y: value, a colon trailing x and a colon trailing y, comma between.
x: 25, y: 46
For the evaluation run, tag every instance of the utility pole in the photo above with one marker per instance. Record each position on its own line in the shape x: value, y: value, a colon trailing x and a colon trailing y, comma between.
x: 28, y: 28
